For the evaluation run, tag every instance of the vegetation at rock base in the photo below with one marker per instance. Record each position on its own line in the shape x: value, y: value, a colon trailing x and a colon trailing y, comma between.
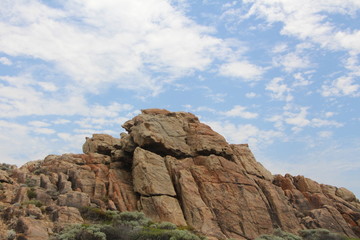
x: 97, y: 215
x: 309, y: 234
x: 123, y: 226
x: 320, y: 234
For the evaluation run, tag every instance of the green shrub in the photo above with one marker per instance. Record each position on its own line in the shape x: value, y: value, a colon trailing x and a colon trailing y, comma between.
x: 97, y: 214
x: 320, y: 234
x: 123, y: 226
x: 132, y: 219
x: 35, y: 202
x: 279, y: 235
x: 164, y: 225
x: 285, y: 235
x: 81, y: 232
x: 29, y: 182
x: 31, y: 193
x: 164, y: 234
x: 119, y: 232
x: 11, y: 234
x: 268, y: 237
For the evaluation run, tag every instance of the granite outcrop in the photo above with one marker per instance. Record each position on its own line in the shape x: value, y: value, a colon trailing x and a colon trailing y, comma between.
x: 173, y: 168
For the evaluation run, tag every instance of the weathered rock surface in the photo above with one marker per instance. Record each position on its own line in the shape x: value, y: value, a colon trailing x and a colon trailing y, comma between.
x: 176, y: 169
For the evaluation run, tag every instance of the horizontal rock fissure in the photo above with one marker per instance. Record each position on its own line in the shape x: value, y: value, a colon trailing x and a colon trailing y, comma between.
x: 157, y: 195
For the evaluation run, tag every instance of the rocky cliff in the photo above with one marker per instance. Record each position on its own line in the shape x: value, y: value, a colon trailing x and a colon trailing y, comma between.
x: 173, y: 168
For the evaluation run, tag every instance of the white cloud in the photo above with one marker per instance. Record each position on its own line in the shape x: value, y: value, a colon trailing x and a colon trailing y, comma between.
x: 292, y: 61
x: 114, y: 42
x: 316, y: 122
x: 279, y: 90
x: 308, y: 20
x: 300, y: 80
x: 345, y: 85
x: 21, y: 98
x: 329, y: 114
x: 241, y: 69
x: 247, y: 133
x: 240, y: 111
x: 325, y: 134
x: 279, y: 48
x: 40, y: 130
x: 342, y: 86
x: 48, y: 86
x: 61, y: 121
x: 39, y: 124
x: 298, y: 118
x: 5, y: 61
x: 251, y: 95
x: 15, y: 136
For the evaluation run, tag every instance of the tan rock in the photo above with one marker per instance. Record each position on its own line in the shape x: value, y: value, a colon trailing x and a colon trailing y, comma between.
x: 66, y: 215
x: 345, y: 194
x: 101, y: 143
x: 33, y: 229
x: 150, y: 175
x: 163, y: 208
x: 121, y: 190
x: 4, y: 177
x: 246, y: 159
x: 285, y: 215
x: 329, y: 218
x: 197, y: 214
x: 74, y: 199
x: 306, y: 185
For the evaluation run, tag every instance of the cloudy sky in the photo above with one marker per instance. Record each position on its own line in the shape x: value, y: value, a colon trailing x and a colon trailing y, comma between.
x: 280, y: 75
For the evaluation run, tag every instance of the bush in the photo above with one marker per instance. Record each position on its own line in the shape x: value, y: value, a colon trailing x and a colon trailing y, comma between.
x: 132, y: 219
x: 279, y: 235
x: 285, y: 235
x: 31, y: 193
x: 268, y: 237
x: 37, y: 203
x: 164, y: 225
x: 81, y: 232
x: 30, y: 182
x: 11, y: 234
x: 97, y: 214
x: 320, y: 234
x: 124, y: 226
x: 163, y: 234
x: 119, y: 232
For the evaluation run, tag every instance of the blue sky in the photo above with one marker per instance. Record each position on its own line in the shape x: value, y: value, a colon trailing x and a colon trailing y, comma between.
x: 280, y: 75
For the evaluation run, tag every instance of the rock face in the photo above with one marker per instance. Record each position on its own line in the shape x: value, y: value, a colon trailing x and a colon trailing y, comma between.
x: 176, y: 169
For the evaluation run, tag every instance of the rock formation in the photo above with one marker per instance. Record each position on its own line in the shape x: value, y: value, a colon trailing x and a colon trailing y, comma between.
x: 173, y: 168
